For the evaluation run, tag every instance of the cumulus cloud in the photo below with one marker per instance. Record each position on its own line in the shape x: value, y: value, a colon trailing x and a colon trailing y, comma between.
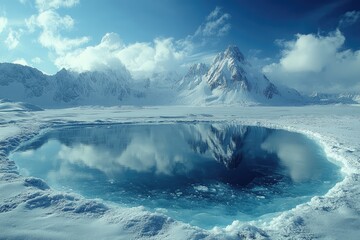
x: 349, y: 18
x: 141, y: 59
x: 158, y: 56
x: 13, y: 39
x: 310, y: 52
x: 314, y: 63
x: 216, y: 24
x: 3, y: 23
x: 51, y: 21
x: 95, y: 57
x: 51, y: 25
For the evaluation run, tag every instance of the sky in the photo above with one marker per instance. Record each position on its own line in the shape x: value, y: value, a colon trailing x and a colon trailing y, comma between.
x: 309, y: 45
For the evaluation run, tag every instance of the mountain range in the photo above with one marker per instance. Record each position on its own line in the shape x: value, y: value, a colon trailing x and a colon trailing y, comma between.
x: 65, y: 88
x: 230, y: 79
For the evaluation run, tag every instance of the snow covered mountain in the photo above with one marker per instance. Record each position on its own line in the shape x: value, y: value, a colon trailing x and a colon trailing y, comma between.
x: 232, y: 80
x: 107, y: 87
x: 65, y: 88
x: 229, y: 80
x: 18, y: 82
x: 193, y: 77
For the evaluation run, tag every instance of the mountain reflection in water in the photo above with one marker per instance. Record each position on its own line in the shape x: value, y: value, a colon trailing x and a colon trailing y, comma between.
x: 155, y: 164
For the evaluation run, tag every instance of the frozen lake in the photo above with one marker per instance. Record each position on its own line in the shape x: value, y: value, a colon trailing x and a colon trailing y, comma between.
x: 205, y: 174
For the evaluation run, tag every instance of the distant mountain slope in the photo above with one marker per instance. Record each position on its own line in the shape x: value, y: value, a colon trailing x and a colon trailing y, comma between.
x: 344, y: 98
x: 15, y: 77
x: 108, y: 87
x: 232, y: 80
x: 65, y: 88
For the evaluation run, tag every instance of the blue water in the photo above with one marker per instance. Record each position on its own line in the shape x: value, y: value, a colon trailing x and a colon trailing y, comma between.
x: 200, y: 173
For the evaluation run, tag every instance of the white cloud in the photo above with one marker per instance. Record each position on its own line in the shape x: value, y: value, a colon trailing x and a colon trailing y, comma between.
x: 93, y: 57
x: 51, y: 21
x: 214, y: 14
x: 311, y: 53
x: 60, y: 44
x: 317, y: 63
x: 31, y: 23
x: 158, y: 56
x: 141, y: 59
x: 44, y: 5
x: 349, y: 18
x: 51, y: 25
x: 216, y: 24
x: 13, y: 39
x: 21, y: 61
x: 3, y: 23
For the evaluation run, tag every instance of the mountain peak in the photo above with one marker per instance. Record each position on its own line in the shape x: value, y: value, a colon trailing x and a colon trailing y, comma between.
x: 233, y: 55
x: 228, y: 69
x: 233, y: 51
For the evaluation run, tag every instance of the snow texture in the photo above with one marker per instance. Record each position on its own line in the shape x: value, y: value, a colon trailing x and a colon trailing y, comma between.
x: 29, y: 209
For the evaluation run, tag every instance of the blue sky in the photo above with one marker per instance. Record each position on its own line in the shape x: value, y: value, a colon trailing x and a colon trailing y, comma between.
x: 150, y: 36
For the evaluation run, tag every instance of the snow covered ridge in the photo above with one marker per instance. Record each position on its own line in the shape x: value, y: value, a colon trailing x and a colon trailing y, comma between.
x: 232, y: 80
x: 344, y: 98
x: 29, y: 209
x: 65, y: 88
x: 229, y: 80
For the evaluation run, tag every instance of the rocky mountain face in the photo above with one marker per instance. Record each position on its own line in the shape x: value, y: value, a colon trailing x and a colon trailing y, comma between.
x: 193, y: 77
x: 228, y: 70
x: 33, y: 81
x: 65, y: 88
x: 232, y: 80
x: 229, y: 80
x: 72, y: 86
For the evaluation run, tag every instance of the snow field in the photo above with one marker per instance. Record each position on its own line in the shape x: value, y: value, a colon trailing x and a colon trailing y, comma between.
x: 29, y: 209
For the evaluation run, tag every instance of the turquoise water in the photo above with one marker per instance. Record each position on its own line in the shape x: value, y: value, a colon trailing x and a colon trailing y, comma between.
x: 200, y: 173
